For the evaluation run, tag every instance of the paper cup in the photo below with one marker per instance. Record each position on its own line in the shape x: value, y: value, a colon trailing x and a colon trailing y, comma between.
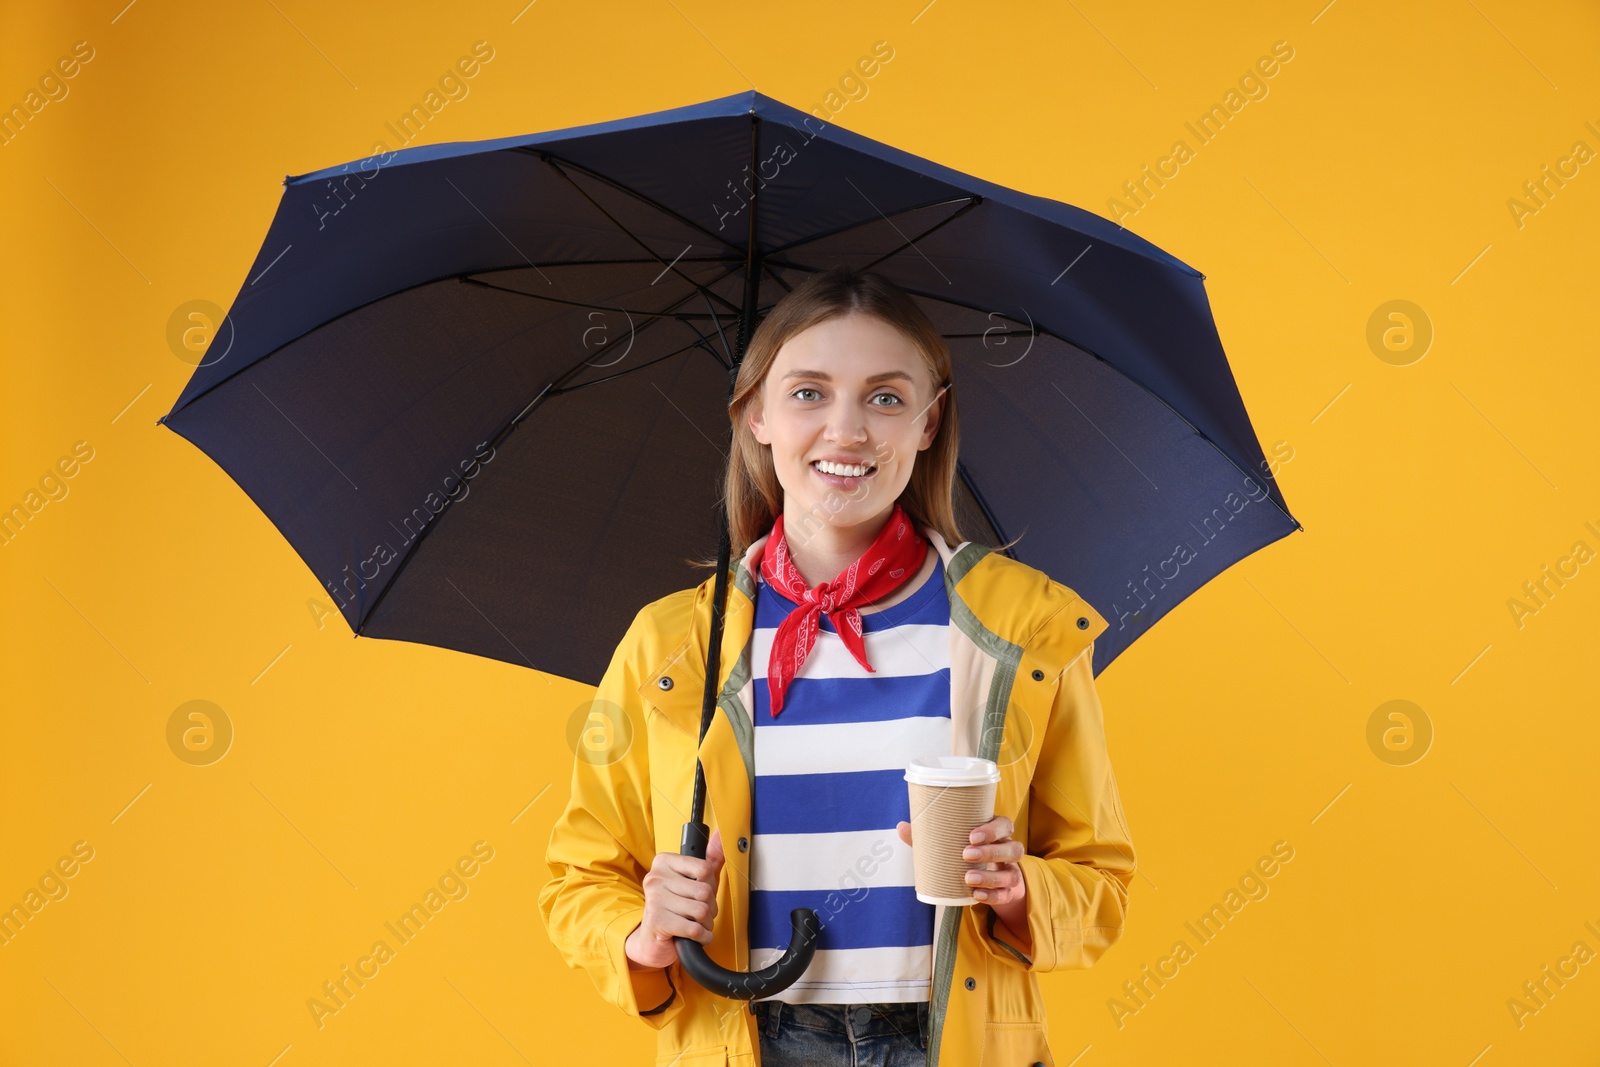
x: 950, y: 797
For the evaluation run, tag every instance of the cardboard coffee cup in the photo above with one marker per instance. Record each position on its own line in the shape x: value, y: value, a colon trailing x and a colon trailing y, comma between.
x: 950, y: 797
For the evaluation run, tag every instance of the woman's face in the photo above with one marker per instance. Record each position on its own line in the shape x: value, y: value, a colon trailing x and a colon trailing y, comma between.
x: 854, y: 389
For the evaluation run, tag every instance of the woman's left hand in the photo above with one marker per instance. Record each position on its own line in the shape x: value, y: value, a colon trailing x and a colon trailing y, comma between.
x: 999, y: 884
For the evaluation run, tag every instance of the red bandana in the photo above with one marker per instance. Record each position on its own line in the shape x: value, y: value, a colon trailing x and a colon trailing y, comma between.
x: 891, y: 560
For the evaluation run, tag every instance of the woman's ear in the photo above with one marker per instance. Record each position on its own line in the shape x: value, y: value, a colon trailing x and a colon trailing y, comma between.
x: 935, y: 417
x: 757, y: 422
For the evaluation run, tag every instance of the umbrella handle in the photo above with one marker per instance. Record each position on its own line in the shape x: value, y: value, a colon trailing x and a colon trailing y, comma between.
x: 746, y: 985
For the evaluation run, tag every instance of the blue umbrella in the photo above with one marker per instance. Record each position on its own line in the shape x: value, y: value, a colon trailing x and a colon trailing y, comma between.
x: 482, y: 388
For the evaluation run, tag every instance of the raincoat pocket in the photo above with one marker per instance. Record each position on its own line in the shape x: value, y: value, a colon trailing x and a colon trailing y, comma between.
x: 1022, y: 1044
x: 705, y: 1056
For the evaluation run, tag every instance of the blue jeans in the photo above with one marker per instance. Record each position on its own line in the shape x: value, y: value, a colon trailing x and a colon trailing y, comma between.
x: 842, y: 1035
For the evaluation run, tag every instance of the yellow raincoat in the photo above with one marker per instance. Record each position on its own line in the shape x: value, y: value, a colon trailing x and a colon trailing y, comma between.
x: 1022, y: 694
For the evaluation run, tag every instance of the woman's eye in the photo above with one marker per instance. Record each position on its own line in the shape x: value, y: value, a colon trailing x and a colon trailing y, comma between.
x: 808, y: 389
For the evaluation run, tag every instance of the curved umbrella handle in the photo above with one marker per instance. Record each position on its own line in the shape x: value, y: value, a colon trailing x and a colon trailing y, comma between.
x: 746, y: 985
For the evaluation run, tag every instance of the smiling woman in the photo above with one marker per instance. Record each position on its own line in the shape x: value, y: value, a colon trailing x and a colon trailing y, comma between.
x: 846, y: 372
x: 846, y: 406
x: 864, y: 633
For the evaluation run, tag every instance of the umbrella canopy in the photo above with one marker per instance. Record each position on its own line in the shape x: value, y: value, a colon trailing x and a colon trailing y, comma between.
x: 482, y: 388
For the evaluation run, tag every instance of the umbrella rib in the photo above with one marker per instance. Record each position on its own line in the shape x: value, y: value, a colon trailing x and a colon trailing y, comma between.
x: 557, y: 383
x: 582, y: 304
x: 766, y: 268
x: 847, y: 227
x: 699, y: 342
x: 614, y: 262
x: 494, y: 442
x: 633, y: 236
x: 911, y: 242
x: 620, y: 187
x: 728, y: 363
x: 682, y: 317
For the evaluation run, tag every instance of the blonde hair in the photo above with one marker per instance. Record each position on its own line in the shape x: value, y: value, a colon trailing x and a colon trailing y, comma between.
x: 751, y: 490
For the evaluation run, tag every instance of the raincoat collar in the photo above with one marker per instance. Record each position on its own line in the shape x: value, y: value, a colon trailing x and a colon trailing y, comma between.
x: 1018, y: 624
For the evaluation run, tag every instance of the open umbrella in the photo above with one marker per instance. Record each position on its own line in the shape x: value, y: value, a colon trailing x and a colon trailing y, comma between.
x: 482, y: 388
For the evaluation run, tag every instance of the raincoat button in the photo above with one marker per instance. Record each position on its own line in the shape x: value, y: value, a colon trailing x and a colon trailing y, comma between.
x: 665, y: 682
x: 1083, y: 624
x: 1038, y: 676
x: 744, y: 844
x: 971, y: 984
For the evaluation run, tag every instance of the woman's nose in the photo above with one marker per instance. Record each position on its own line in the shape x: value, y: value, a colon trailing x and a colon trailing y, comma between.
x: 845, y: 423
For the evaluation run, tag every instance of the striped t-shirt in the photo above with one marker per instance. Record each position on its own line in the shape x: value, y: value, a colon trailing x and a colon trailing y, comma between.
x: 829, y: 789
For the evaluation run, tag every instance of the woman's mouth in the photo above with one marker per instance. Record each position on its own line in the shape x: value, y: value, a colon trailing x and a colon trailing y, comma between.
x: 841, y: 480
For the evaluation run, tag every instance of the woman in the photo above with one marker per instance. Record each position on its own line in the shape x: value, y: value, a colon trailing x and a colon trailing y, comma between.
x: 861, y: 631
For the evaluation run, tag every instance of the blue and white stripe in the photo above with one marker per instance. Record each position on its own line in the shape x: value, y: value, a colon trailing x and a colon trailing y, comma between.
x: 829, y: 789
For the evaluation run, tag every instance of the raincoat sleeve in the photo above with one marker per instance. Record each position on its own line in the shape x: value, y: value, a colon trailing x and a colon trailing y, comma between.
x: 1080, y: 859
x: 602, y: 845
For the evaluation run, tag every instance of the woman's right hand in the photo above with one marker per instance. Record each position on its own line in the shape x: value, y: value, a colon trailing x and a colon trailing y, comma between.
x: 680, y: 900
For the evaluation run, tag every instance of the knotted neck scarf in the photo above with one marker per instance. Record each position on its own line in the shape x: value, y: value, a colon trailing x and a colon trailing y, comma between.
x: 888, y: 563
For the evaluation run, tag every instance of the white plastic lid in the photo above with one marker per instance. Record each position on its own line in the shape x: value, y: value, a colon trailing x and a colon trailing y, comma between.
x: 952, y: 770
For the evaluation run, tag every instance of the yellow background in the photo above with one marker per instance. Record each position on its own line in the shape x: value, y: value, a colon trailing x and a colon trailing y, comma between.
x: 1420, y: 898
